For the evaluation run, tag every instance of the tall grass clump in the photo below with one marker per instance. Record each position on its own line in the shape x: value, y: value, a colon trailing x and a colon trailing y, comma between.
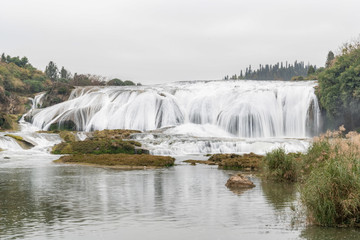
x: 331, y: 190
x: 280, y: 166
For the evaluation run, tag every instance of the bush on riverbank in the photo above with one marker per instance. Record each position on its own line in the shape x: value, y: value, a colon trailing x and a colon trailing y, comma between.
x: 329, y: 175
x: 280, y: 166
x: 331, y: 192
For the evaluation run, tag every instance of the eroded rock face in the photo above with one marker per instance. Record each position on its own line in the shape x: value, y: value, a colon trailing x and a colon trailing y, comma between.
x: 239, y: 181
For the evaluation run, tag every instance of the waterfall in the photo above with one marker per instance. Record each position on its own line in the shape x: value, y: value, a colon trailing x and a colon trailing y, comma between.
x: 246, y: 109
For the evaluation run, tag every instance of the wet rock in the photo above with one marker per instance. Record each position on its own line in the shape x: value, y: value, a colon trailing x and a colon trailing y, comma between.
x: 139, y: 150
x: 239, y: 181
x: 22, y: 142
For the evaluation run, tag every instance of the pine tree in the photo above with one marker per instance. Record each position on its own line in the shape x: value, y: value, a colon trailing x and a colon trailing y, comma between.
x: 311, y: 70
x: 51, y: 71
x: 329, y: 59
x: 65, y: 74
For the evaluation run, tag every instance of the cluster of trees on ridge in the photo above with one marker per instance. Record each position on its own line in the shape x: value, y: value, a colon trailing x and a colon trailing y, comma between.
x: 18, y: 75
x: 65, y: 76
x: 278, y: 71
x: 19, y: 80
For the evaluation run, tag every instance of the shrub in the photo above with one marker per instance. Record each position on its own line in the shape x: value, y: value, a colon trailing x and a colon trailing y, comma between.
x: 331, y: 192
x: 34, y: 86
x: 115, y: 82
x: 278, y: 165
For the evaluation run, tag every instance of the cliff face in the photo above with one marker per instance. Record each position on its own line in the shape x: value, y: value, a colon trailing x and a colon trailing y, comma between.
x: 14, y: 104
x: 11, y: 109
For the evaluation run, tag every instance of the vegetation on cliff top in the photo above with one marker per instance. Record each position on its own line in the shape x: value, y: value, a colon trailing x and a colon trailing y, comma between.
x: 19, y: 80
x: 278, y: 71
x: 339, y: 87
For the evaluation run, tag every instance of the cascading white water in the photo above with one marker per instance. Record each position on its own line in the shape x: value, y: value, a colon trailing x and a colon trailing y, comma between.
x: 186, y: 117
x: 13, y: 155
x: 241, y: 108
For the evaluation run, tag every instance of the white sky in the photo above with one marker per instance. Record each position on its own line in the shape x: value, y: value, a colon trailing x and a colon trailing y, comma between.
x: 171, y: 40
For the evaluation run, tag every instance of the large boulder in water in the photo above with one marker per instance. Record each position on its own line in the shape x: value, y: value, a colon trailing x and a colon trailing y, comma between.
x: 239, y: 181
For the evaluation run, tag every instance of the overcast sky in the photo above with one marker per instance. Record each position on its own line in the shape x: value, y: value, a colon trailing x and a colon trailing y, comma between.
x: 155, y: 41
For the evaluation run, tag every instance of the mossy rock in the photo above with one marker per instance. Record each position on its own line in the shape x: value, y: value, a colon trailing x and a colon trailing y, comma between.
x: 68, y: 136
x: 114, y: 134
x: 194, y: 162
x: 110, y: 146
x: 23, y: 143
x: 118, y: 160
x: 249, y: 161
x: 65, y: 125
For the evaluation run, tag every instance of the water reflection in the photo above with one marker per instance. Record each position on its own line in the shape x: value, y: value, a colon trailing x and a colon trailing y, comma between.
x: 320, y: 233
x: 74, y: 202
x: 279, y: 194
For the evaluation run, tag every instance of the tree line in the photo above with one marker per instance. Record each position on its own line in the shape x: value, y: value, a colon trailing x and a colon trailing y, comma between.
x: 278, y: 71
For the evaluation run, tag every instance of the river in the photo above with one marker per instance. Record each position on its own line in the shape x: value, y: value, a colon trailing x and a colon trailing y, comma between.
x: 43, y: 200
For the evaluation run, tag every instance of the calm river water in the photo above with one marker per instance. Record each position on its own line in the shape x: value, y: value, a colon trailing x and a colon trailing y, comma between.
x: 43, y: 200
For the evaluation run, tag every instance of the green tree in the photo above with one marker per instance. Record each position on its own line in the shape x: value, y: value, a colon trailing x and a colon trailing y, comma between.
x: 23, y: 62
x: 311, y: 70
x: 329, y: 59
x: 339, y: 89
x: 115, y: 82
x: 128, y: 83
x: 51, y: 71
x: 65, y: 74
x: 3, y: 58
